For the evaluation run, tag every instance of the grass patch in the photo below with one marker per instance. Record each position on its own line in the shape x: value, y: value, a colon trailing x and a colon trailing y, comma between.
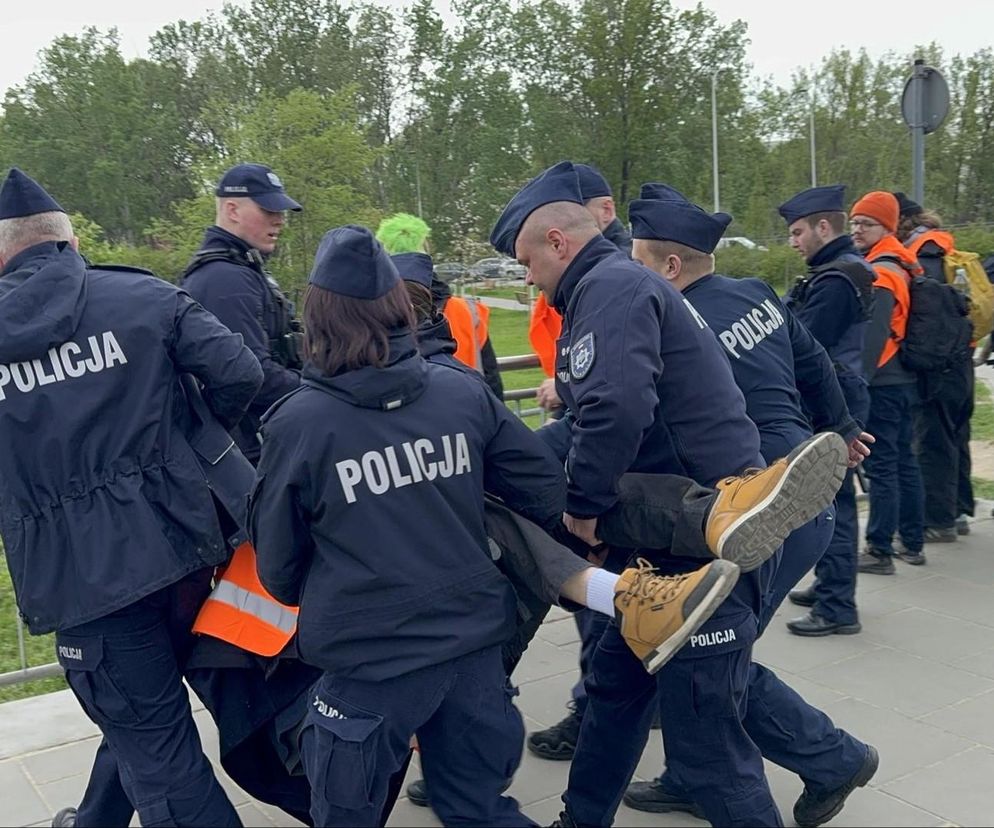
x: 39, y: 649
x: 983, y: 489
x: 982, y: 422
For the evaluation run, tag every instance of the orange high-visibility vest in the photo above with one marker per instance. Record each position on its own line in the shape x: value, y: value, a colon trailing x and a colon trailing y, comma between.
x: 894, y: 266
x: 240, y: 611
x: 940, y: 237
x: 544, y: 329
x: 469, y: 323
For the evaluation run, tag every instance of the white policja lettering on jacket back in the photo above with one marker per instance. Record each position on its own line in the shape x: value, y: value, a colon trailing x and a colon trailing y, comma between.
x: 68, y: 361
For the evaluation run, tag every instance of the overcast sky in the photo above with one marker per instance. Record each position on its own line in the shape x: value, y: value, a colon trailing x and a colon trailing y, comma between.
x: 785, y: 36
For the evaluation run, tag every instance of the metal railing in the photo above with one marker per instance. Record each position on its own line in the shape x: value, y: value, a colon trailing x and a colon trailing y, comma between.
x: 515, y: 398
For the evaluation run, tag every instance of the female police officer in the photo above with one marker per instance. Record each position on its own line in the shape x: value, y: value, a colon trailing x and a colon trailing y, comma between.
x: 368, y: 514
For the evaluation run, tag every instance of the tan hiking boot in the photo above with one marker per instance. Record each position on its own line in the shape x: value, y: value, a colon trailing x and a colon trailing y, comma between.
x: 753, y: 514
x: 657, y: 614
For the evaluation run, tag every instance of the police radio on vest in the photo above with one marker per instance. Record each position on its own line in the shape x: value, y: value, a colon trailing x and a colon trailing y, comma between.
x: 68, y: 361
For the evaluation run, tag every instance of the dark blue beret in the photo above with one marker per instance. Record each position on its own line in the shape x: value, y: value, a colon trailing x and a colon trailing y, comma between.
x: 592, y: 183
x: 22, y: 196
x: 906, y: 206
x: 258, y: 182
x: 558, y: 183
x: 814, y: 200
x: 351, y: 262
x: 414, y: 267
x: 672, y: 217
x: 662, y: 192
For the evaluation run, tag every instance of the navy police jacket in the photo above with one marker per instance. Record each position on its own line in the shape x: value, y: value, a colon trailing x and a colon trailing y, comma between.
x: 829, y: 306
x: 240, y: 297
x: 775, y: 361
x: 648, y: 386
x: 368, y: 512
x: 102, y: 500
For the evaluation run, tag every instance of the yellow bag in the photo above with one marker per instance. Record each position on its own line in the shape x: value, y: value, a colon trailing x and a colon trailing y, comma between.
x: 979, y: 290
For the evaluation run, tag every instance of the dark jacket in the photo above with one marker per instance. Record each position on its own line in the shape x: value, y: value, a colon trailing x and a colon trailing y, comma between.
x: 616, y: 233
x: 368, y: 513
x: 240, y: 296
x: 829, y: 305
x: 648, y: 385
x: 775, y: 361
x: 102, y: 500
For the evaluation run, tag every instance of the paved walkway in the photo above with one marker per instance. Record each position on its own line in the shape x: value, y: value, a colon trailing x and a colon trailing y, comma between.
x: 918, y: 683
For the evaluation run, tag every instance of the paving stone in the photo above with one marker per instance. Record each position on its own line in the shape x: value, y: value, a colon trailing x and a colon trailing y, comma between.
x: 783, y: 651
x: 41, y: 722
x: 902, y: 743
x: 972, y: 719
x: 62, y: 761
x: 545, y: 700
x: 958, y: 788
x: 21, y: 803
x: 66, y: 792
x: 560, y: 633
x: 980, y: 663
x: 544, y: 660
x: 814, y: 694
x: 894, y: 680
x: 250, y: 815
x: 929, y: 634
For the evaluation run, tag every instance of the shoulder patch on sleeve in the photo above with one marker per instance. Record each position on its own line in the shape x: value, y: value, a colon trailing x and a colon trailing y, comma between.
x: 581, y: 356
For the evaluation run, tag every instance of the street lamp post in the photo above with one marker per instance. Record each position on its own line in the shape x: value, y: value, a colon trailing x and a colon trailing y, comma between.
x: 814, y: 172
x: 714, y: 137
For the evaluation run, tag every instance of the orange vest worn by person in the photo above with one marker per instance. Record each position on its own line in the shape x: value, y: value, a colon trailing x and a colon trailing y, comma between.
x: 894, y: 265
x: 240, y: 611
x: 469, y: 323
x: 544, y: 329
x: 943, y: 239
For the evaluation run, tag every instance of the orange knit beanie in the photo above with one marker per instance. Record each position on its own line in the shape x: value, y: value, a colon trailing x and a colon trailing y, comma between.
x: 879, y: 205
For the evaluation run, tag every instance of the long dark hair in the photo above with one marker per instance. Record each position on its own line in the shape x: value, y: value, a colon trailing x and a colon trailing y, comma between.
x: 343, y: 333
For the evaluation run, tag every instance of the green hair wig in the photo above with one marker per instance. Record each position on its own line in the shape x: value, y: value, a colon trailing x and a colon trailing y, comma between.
x: 403, y: 233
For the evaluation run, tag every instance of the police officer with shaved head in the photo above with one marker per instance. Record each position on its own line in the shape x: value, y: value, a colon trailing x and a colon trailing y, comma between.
x: 108, y: 524
x: 228, y: 276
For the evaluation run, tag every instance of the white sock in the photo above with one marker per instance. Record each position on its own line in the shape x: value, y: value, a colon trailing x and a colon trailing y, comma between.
x: 600, y: 591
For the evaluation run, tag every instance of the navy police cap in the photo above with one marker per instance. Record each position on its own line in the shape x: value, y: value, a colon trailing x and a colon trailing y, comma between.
x: 414, y: 267
x: 814, y: 200
x: 592, y: 183
x: 351, y: 262
x: 661, y: 192
x: 672, y: 217
x: 22, y: 196
x: 258, y: 182
x: 558, y: 183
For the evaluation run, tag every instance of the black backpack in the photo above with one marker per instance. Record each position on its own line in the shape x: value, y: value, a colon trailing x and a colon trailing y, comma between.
x: 939, y: 328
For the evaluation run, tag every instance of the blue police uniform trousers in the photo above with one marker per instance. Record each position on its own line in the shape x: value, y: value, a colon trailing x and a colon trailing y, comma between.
x: 125, y: 669
x: 835, y: 572
x: 708, y: 751
x: 591, y: 626
x: 356, y: 735
x: 896, y: 498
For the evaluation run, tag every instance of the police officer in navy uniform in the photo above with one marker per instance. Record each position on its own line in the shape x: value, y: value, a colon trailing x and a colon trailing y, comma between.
x: 630, y: 364
x: 376, y: 457
x: 228, y: 277
x: 109, y: 528
x: 834, y: 303
x: 778, y: 365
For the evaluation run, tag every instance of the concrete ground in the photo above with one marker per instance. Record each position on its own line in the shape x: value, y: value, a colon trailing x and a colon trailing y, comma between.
x: 918, y: 683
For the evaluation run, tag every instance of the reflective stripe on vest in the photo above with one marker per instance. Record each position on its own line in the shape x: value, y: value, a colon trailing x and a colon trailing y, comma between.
x: 240, y: 611
x: 544, y: 328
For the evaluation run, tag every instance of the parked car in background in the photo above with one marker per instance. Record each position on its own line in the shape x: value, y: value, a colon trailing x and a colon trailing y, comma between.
x: 739, y: 241
x: 451, y: 271
x: 498, y: 267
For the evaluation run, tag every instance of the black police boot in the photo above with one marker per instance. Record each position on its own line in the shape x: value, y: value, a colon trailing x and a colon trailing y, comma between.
x: 418, y: 793
x: 941, y: 534
x: 655, y: 799
x: 564, y: 821
x: 66, y: 818
x: 802, y: 597
x: 906, y: 555
x: 812, y: 625
x: 559, y: 741
x: 812, y: 810
x: 875, y: 563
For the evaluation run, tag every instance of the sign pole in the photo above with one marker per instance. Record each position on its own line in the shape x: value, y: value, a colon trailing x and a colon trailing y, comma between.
x: 918, y: 131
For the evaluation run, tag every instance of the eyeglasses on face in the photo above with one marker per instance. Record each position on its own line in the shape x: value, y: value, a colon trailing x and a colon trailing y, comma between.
x: 862, y: 224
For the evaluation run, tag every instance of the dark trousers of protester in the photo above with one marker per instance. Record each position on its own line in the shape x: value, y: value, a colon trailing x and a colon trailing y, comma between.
x: 125, y: 670
x: 892, y: 468
x: 942, y: 425
x: 356, y: 736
